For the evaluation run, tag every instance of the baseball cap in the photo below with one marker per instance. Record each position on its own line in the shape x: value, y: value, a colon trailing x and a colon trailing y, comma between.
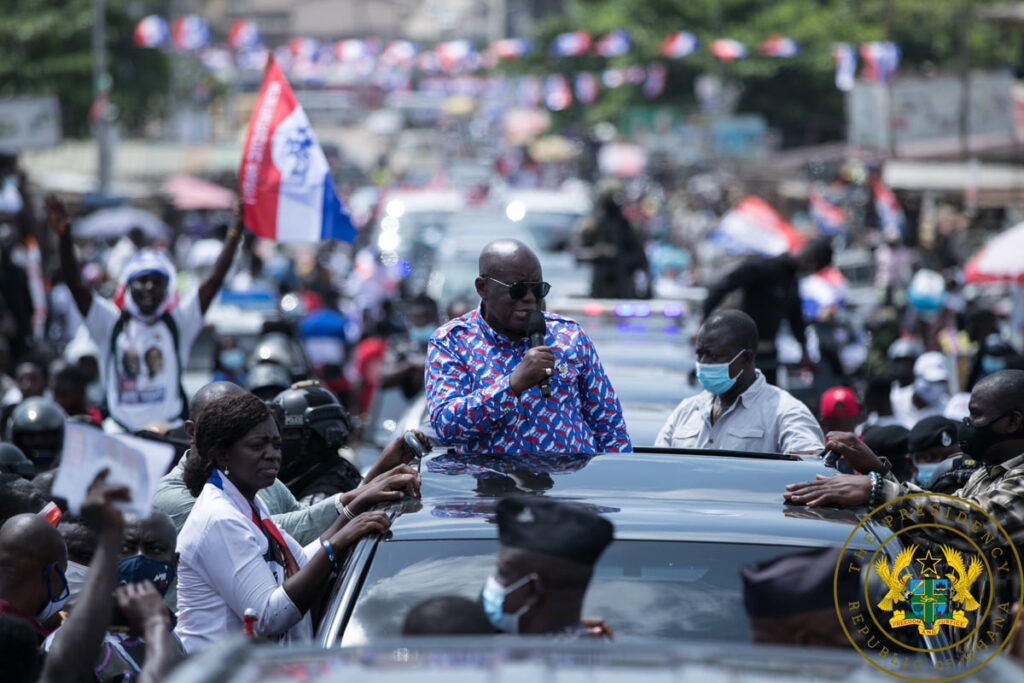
x: 838, y: 402
x: 931, y: 367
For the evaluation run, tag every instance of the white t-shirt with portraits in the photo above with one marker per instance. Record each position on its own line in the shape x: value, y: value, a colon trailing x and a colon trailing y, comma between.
x: 143, y: 374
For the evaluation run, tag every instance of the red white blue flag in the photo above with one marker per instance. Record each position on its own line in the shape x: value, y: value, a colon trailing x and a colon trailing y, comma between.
x: 352, y: 50
x: 728, y: 49
x: 754, y: 227
x: 779, y: 46
x: 243, y: 34
x: 613, y: 44
x: 399, y: 53
x: 657, y: 74
x: 511, y: 48
x: 846, y: 66
x: 557, y: 93
x: 571, y: 44
x: 151, y: 31
x: 286, y: 185
x: 587, y: 87
x: 190, y: 32
x: 454, y: 54
x: 880, y: 60
x: 829, y: 218
x: 679, y: 44
x: 528, y: 91
x: 891, y: 218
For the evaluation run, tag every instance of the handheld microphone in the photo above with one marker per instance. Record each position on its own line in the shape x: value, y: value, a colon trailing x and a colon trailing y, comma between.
x: 536, y: 328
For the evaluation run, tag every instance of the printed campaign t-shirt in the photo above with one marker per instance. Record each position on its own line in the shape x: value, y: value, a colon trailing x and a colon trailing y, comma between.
x: 142, y: 375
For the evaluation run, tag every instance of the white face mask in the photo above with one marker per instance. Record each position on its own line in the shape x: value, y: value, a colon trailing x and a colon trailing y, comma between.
x: 76, y: 576
x: 929, y: 392
x: 54, y: 604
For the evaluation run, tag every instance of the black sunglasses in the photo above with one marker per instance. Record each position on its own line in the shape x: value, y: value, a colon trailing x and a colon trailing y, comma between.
x: 517, y: 290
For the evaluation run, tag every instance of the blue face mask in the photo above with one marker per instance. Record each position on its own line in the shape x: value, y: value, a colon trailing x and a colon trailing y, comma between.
x: 493, y: 597
x: 990, y: 364
x: 232, y: 359
x: 925, y: 472
x: 138, y: 568
x: 714, y: 377
x: 421, y: 334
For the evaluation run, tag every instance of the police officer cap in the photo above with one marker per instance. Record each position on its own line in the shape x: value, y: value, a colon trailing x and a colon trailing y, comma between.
x: 559, y: 529
x: 802, y: 582
x: 933, y: 432
x: 12, y: 460
x: 264, y: 375
x: 889, y: 441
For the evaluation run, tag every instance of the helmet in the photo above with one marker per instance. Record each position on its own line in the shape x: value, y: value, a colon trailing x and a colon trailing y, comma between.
x: 313, y: 427
x: 14, y: 461
x: 905, y: 347
x: 268, y: 376
x: 274, y: 347
x: 37, y: 428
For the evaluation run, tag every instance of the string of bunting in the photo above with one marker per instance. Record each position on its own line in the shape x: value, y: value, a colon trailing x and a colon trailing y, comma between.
x: 389, y: 64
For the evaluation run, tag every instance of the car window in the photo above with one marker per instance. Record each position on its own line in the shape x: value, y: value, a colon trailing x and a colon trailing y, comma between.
x: 675, y: 590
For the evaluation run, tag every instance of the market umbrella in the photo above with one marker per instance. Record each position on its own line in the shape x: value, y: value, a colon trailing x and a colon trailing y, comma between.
x: 622, y: 160
x: 188, y: 192
x: 754, y: 227
x: 520, y: 126
x: 1000, y: 259
x: 115, y: 222
x: 554, y: 148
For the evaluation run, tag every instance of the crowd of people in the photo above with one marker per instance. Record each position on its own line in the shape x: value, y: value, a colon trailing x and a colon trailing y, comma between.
x: 259, y: 507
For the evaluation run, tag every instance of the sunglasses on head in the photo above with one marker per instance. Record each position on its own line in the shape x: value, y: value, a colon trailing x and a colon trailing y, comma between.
x: 517, y: 290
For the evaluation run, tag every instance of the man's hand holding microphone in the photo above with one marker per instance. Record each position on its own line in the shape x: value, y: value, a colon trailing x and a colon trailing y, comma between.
x: 538, y: 364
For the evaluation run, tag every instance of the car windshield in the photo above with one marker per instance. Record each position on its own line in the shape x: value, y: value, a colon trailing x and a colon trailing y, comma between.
x: 675, y: 590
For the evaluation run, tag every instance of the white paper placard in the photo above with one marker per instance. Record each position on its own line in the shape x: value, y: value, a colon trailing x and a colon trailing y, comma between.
x: 133, y: 462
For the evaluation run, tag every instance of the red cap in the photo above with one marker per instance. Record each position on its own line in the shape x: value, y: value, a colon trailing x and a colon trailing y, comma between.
x: 838, y: 402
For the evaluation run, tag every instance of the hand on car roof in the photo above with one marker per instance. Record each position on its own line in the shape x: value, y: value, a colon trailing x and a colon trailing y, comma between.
x: 837, y: 490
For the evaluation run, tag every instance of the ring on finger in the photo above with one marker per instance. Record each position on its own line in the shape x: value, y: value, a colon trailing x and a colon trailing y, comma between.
x: 548, y: 371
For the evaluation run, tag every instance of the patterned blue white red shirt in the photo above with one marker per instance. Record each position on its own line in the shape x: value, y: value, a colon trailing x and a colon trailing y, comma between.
x: 473, y: 407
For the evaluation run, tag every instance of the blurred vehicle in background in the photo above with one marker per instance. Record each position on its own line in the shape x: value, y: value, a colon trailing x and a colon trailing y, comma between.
x: 417, y: 156
x: 551, y: 215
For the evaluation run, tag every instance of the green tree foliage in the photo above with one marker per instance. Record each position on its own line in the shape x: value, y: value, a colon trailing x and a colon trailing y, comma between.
x: 796, y: 95
x: 46, y: 48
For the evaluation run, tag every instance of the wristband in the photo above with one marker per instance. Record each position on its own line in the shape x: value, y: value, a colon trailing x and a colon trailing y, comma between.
x: 348, y: 513
x: 331, y: 557
x: 876, y: 488
x: 233, y: 233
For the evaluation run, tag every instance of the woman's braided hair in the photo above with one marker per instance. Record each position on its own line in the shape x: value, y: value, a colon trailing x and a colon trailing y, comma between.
x: 220, y: 426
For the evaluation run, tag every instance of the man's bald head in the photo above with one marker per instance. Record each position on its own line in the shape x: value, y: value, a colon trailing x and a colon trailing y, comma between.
x: 734, y: 325
x: 29, y: 540
x: 502, y: 254
x: 996, y: 410
x: 206, y: 395
x: 209, y: 393
x: 32, y: 559
x: 1005, y: 388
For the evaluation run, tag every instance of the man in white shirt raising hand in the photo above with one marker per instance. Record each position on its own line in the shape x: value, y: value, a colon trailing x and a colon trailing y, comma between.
x: 145, y: 334
x: 738, y: 410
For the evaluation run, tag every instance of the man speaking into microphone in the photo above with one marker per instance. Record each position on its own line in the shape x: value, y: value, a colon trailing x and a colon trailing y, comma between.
x: 509, y: 377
